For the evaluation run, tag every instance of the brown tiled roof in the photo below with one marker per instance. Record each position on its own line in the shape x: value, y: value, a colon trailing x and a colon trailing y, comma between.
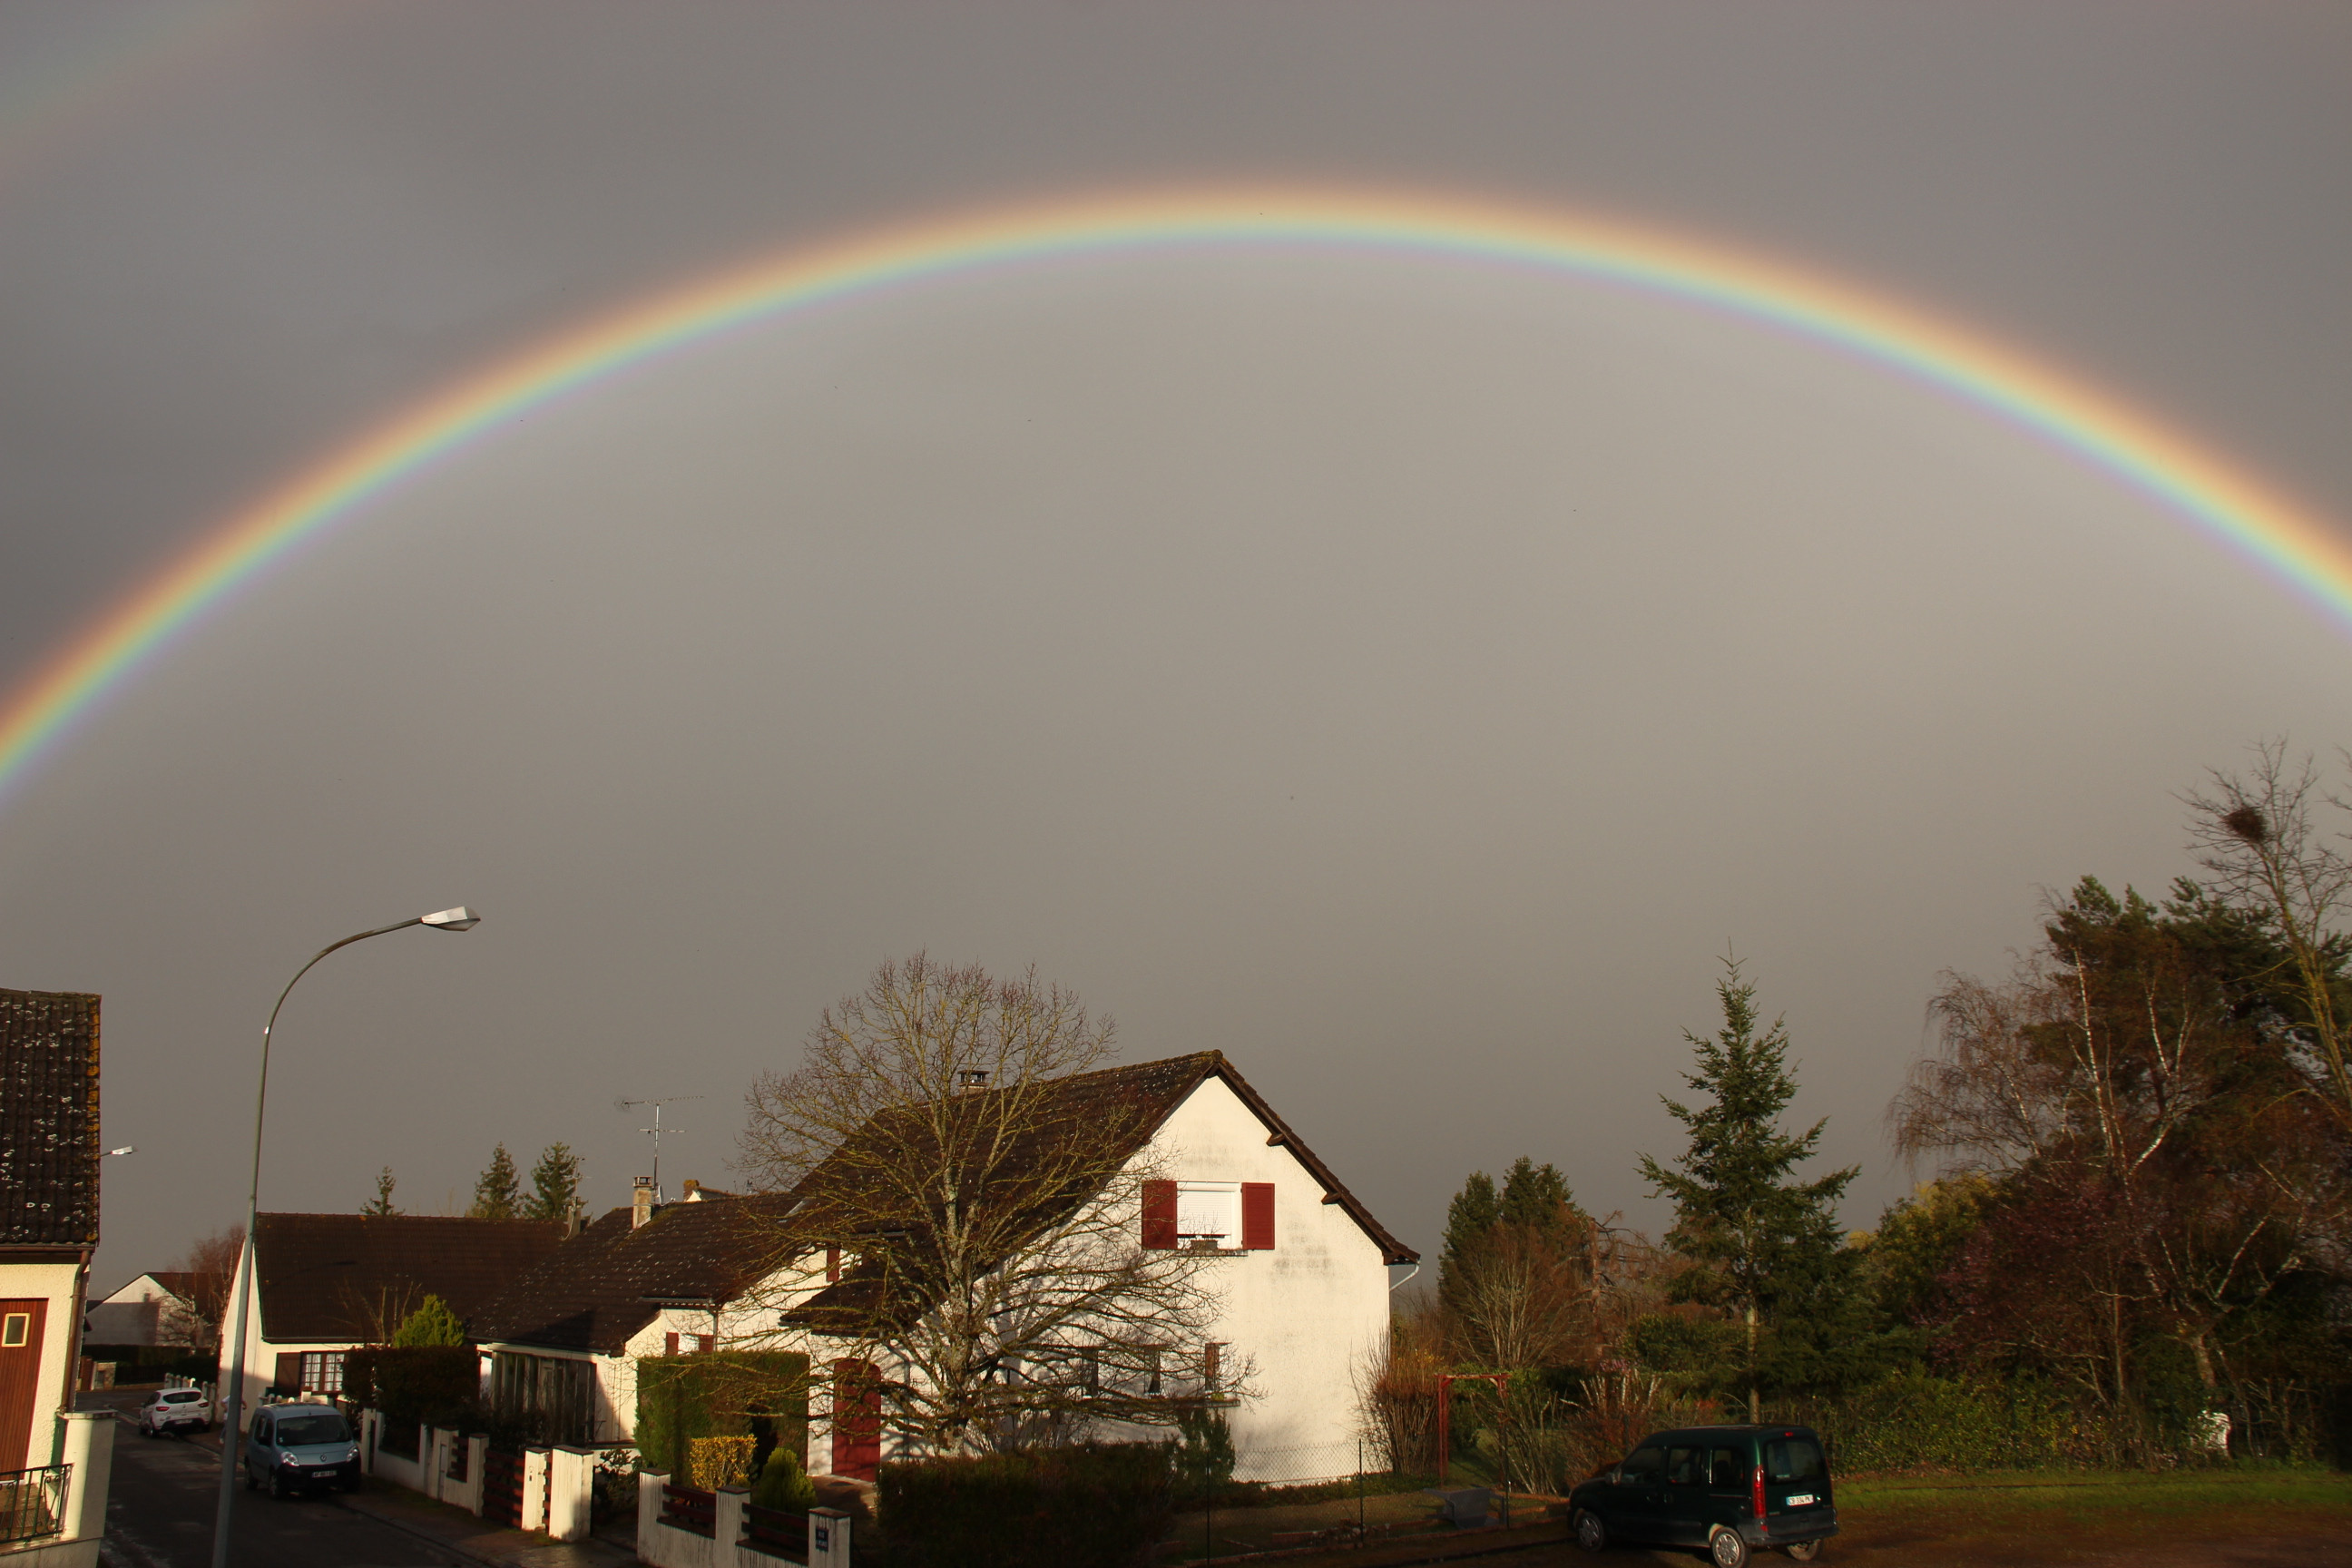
x: 603, y: 1285
x: 606, y: 1283
x: 324, y: 1277
x: 1139, y: 1100
x: 48, y: 1118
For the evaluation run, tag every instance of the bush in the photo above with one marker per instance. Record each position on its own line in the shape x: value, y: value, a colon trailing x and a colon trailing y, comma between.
x: 1088, y: 1506
x: 433, y: 1383
x: 784, y: 1485
x: 715, y: 1462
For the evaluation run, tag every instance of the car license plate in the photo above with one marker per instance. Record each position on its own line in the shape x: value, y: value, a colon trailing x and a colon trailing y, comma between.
x: 1801, y: 1499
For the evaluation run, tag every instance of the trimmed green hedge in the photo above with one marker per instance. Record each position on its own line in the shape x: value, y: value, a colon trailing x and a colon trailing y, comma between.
x: 718, y: 1394
x: 1091, y: 1506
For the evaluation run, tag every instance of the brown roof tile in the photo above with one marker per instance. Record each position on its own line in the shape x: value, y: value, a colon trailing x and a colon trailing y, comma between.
x: 603, y: 1285
x: 325, y: 1277
x: 48, y: 1118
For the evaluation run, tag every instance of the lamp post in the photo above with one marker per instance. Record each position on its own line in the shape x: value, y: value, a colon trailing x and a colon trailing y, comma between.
x: 459, y: 919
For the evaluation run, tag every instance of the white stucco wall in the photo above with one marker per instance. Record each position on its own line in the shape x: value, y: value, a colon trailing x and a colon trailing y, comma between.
x: 53, y: 1283
x: 261, y: 1358
x: 140, y: 1313
x: 1308, y: 1312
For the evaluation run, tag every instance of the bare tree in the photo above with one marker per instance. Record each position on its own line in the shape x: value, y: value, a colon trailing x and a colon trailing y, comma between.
x: 954, y: 1143
x: 2253, y: 833
x: 210, y: 1264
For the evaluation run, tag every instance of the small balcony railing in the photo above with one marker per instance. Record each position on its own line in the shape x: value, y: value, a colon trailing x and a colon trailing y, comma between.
x: 33, y: 1502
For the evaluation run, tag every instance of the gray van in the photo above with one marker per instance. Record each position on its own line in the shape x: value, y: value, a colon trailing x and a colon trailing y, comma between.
x: 1734, y: 1491
x: 294, y: 1447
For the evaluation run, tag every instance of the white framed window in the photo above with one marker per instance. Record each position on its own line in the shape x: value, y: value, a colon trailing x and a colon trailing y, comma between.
x: 322, y: 1372
x: 1208, y: 1211
x: 15, y: 1329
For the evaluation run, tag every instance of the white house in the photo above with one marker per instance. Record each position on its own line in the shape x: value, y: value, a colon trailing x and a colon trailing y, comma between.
x: 48, y: 1228
x: 1299, y: 1274
x: 155, y: 1308
x: 326, y: 1283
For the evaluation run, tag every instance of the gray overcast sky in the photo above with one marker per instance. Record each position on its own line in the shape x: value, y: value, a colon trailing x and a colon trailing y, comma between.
x: 1403, y: 676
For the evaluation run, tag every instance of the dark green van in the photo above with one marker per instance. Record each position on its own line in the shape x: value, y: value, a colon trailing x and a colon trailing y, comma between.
x: 1734, y: 1491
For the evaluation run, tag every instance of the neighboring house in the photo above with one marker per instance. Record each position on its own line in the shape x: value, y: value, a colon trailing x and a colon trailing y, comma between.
x: 326, y: 1283
x: 641, y: 1282
x: 48, y: 1210
x: 156, y: 1309
x: 1304, y: 1282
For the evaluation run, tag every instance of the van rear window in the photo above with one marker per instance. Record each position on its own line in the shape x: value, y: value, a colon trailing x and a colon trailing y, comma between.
x: 1793, y: 1459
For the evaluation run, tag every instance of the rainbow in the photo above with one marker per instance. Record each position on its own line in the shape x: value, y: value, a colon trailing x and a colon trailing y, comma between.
x: 2202, y: 487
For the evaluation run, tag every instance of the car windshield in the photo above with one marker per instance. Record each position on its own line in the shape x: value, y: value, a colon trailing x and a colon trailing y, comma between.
x: 1793, y: 1459
x: 326, y: 1426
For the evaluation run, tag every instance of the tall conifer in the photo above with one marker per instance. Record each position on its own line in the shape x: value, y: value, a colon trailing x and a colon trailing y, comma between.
x: 1753, y: 1235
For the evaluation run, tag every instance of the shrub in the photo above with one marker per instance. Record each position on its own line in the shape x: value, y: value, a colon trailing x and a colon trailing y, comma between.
x: 784, y: 1485
x: 1088, y: 1506
x: 715, y: 1462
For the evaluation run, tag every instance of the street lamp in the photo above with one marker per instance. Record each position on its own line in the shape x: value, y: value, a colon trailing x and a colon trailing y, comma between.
x: 459, y: 919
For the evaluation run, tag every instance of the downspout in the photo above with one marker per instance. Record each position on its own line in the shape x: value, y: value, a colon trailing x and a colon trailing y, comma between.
x: 73, y: 1357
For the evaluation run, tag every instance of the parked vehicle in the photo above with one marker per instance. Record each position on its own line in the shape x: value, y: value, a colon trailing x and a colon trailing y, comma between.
x: 294, y: 1447
x: 1734, y: 1491
x: 175, y: 1410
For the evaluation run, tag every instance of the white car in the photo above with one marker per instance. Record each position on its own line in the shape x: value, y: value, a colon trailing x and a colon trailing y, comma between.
x: 175, y: 1410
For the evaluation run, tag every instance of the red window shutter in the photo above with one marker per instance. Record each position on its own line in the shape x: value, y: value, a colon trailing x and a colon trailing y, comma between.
x: 1257, y: 1216
x: 1159, y: 1215
x: 670, y: 1344
x: 832, y: 1266
x: 289, y: 1373
x: 706, y: 1343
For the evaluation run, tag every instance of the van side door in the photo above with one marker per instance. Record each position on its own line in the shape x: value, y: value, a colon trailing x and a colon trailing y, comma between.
x: 1685, y: 1499
x: 1730, y: 1478
x: 1636, y: 1503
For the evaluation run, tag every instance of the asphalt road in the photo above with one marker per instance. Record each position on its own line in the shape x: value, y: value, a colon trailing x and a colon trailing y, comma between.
x: 159, y: 1514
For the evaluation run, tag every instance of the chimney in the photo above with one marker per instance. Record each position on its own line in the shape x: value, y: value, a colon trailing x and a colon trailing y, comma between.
x: 641, y: 1202
x: 575, y: 1219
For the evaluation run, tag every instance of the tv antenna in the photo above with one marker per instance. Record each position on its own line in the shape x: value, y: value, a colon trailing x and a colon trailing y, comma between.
x: 657, y: 1129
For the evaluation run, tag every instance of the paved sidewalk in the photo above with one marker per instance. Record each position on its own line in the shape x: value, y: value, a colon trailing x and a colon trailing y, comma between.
x: 456, y: 1530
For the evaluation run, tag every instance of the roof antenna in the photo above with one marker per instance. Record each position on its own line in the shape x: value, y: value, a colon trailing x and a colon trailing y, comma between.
x: 657, y: 1129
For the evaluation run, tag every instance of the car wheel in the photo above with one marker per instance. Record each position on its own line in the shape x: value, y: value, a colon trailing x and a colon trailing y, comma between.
x: 278, y: 1487
x: 1726, y: 1549
x: 1804, y: 1550
x: 252, y: 1481
x: 1590, y: 1533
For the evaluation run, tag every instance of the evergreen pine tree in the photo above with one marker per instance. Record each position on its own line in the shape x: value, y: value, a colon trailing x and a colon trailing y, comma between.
x: 382, y: 1207
x: 431, y: 1324
x: 1469, y: 1219
x: 555, y: 1182
x: 498, y: 1191
x: 1755, y: 1238
x: 1538, y: 1197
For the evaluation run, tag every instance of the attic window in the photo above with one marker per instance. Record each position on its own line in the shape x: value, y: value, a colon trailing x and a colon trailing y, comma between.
x: 1208, y: 1211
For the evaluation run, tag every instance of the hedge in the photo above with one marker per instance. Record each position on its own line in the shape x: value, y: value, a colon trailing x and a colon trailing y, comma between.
x: 1089, y: 1506
x: 415, y: 1383
x: 727, y: 1393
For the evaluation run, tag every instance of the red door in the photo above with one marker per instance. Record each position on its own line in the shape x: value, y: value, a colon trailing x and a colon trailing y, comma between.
x: 21, y: 1322
x: 856, y: 1420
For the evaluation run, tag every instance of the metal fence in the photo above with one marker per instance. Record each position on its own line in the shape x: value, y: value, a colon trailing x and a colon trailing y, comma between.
x: 33, y: 1502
